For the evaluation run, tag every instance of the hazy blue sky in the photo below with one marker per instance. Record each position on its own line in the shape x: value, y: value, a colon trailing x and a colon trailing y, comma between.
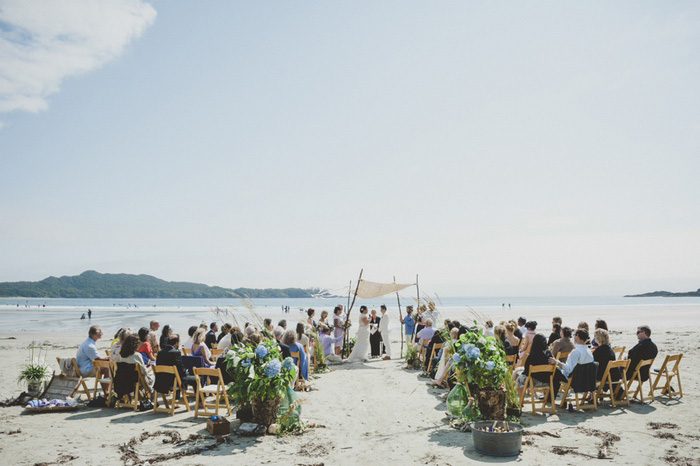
x: 537, y: 148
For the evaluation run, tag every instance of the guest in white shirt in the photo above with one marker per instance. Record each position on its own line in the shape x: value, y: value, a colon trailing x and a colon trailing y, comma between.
x: 581, y: 354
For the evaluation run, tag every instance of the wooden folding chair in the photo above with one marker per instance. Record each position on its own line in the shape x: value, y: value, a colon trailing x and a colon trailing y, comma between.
x: 433, y: 353
x: 637, y: 376
x: 216, y: 353
x: 298, y: 384
x: 423, y: 348
x: 666, y: 389
x: 563, y: 355
x: 100, y: 379
x: 579, y: 400
x: 107, y: 352
x: 214, y: 346
x: 187, y: 351
x: 82, y: 387
x: 127, y: 400
x: 547, y: 391
x: 619, y: 351
x: 510, y: 361
x: 177, y: 385
x: 218, y: 390
x: 615, y: 388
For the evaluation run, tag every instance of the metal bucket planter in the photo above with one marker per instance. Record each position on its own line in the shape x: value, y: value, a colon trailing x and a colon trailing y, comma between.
x: 497, y: 443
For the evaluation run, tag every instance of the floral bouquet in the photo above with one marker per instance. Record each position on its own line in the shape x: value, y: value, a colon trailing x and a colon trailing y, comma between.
x: 258, y: 371
x: 479, y: 360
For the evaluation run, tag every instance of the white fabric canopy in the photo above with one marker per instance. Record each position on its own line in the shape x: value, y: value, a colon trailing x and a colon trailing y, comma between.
x: 369, y: 290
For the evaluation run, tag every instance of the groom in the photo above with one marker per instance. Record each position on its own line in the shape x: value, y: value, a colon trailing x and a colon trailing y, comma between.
x: 384, y: 331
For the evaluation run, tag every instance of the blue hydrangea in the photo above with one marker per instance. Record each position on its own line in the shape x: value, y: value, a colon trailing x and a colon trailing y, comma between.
x: 273, y: 368
x: 246, y: 363
x: 473, y: 353
x: 490, y: 365
x: 466, y: 347
x: 288, y: 364
x: 456, y: 357
x: 261, y: 351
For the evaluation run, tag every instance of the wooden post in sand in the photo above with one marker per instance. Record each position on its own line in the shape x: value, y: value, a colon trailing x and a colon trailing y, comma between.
x: 400, y: 318
x: 347, y: 318
x: 413, y: 336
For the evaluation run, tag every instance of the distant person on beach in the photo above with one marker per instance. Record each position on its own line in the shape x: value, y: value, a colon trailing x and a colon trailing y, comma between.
x: 644, y: 349
x: 82, y: 317
x: 87, y: 352
x: 89, y: 313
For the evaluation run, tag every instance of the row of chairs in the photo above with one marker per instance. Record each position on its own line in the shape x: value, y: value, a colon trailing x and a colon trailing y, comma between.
x: 620, y: 391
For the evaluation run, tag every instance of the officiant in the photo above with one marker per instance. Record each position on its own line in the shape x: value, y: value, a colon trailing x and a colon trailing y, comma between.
x: 375, y: 337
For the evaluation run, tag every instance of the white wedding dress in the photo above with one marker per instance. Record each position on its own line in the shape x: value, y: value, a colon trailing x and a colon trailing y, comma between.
x: 361, y: 349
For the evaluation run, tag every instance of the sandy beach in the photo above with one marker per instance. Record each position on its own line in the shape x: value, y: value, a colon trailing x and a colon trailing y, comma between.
x: 375, y: 412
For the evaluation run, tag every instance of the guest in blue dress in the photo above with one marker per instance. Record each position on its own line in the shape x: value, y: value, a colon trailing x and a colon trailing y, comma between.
x: 290, y: 339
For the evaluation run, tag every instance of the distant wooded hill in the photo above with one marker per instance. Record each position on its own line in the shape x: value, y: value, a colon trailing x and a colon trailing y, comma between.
x: 91, y: 284
x: 664, y: 294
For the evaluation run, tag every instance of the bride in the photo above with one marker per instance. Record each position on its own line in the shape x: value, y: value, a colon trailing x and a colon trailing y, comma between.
x: 361, y: 348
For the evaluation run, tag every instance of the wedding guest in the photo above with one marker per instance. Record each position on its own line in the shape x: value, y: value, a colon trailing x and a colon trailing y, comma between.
x: 539, y: 355
x: 290, y: 339
x: 255, y: 338
x: 510, y: 334
x: 408, y: 324
x: 190, y: 332
x: 563, y: 344
x: 282, y: 323
x: 488, y: 328
x: 301, y: 336
x: 199, y: 348
x: 581, y: 354
x: 169, y: 355
x: 603, y: 354
x: 521, y: 326
x: 327, y: 341
x: 268, y: 328
x: 338, y: 330
x: 129, y: 355
x: 599, y: 323
x: 420, y: 323
x: 225, y: 330
x: 557, y: 320
x: 436, y: 339
x: 530, y: 327
x: 500, y: 333
x: 644, y: 349
x: 324, y: 318
x: 279, y: 334
x: 445, y: 360
x: 426, y: 332
x: 311, y: 313
x: 555, y: 335
x: 375, y: 338
x: 146, y: 349
x: 210, y: 337
x: 116, y: 347
x: 152, y: 338
x: 164, y: 336
x: 87, y: 352
x: 583, y: 325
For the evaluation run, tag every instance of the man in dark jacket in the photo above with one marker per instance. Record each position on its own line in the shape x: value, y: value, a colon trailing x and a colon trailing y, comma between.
x: 645, y: 349
x: 210, y: 337
x: 284, y: 349
x: 169, y: 355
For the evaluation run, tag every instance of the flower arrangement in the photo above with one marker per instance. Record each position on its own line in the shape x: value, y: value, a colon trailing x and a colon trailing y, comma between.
x: 258, y: 372
x: 479, y: 360
x: 34, y: 373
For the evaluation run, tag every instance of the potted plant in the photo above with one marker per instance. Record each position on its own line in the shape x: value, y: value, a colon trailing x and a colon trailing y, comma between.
x: 479, y: 363
x: 34, y: 373
x: 259, y: 378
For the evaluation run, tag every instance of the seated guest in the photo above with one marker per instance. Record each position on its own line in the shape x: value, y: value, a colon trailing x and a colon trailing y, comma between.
x: 510, y: 334
x: 201, y: 349
x: 169, y: 355
x: 282, y: 323
x: 563, y: 344
x: 427, y: 332
x: 114, y: 351
x: 87, y: 352
x: 234, y: 337
x: 146, y: 347
x: 579, y: 355
x: 603, y: 354
x: 539, y: 355
x: 445, y: 360
x: 436, y: 339
x: 328, y: 342
x: 225, y: 331
x: 255, y: 338
x: 599, y: 324
x: 530, y: 327
x: 130, y: 355
x: 268, y: 329
x: 190, y: 332
x: 554, y: 336
x: 301, y: 337
x: 167, y: 333
x: 279, y: 334
x: 152, y: 337
x: 488, y: 328
x: 557, y: 320
x: 210, y: 337
x: 500, y: 334
x: 644, y: 349
x: 290, y: 339
x: 521, y: 327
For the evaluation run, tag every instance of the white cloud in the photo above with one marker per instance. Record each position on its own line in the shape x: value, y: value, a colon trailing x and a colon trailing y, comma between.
x: 43, y: 42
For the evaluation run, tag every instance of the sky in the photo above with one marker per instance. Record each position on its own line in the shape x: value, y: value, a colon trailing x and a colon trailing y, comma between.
x: 495, y: 149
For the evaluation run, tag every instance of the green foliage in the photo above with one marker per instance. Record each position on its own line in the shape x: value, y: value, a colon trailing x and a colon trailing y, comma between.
x: 411, y: 356
x: 251, y: 378
x: 321, y: 365
x: 36, y: 370
x: 349, y: 346
x: 91, y: 284
x: 479, y: 360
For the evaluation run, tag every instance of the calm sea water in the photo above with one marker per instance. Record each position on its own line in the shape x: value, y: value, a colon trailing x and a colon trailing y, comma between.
x: 40, y: 315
